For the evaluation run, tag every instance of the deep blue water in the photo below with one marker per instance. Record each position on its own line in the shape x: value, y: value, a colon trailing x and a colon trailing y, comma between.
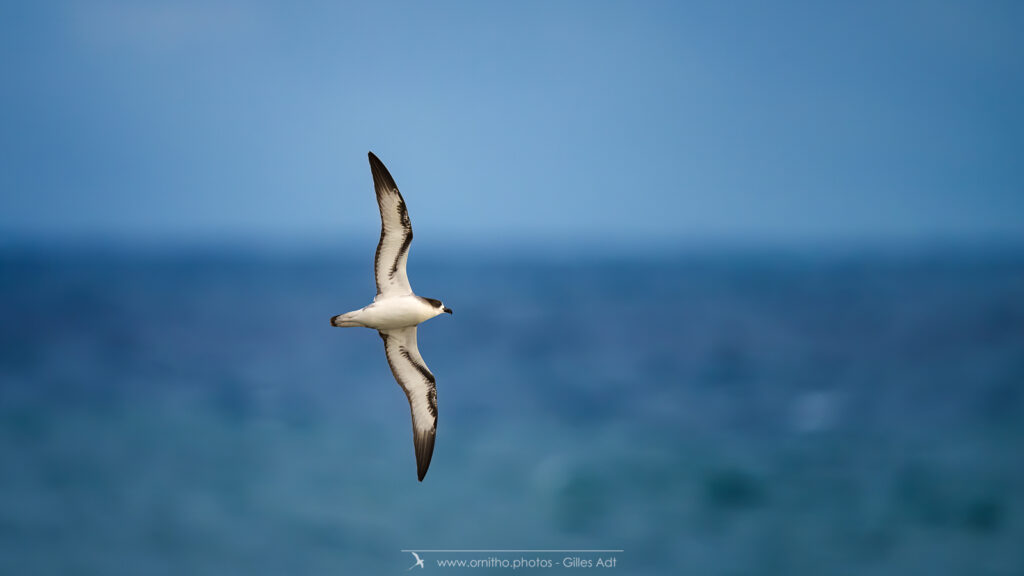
x: 709, y: 414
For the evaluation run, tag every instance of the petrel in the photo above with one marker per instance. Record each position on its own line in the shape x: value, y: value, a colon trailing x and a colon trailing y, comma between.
x: 396, y: 311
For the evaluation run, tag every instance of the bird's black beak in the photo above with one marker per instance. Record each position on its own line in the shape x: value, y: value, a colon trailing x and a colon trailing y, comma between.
x: 448, y: 310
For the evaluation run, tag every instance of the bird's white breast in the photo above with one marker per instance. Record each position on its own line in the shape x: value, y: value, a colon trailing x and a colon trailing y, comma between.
x: 396, y: 312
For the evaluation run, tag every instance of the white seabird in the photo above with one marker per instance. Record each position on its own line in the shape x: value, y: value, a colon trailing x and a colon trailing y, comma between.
x: 396, y: 311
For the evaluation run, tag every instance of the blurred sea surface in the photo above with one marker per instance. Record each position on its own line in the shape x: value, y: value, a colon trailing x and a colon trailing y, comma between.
x: 194, y: 413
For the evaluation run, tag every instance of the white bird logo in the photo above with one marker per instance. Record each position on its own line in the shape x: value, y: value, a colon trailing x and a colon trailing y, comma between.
x: 419, y: 561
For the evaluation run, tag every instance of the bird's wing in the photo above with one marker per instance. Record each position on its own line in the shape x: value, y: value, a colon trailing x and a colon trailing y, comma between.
x: 395, y: 234
x: 415, y: 378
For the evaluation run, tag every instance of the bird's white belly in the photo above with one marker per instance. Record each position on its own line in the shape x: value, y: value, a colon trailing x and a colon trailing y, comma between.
x: 397, y: 312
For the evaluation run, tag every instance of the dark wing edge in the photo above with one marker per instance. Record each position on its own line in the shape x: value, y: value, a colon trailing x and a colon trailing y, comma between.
x: 420, y: 389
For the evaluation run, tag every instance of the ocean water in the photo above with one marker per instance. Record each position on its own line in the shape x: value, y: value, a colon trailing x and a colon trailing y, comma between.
x: 194, y: 413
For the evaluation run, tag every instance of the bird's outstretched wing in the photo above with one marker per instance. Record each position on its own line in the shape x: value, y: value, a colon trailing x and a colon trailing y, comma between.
x: 395, y: 235
x: 413, y: 376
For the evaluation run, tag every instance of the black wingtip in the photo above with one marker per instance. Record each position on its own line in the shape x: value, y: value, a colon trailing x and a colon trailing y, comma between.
x: 382, y: 179
x: 424, y: 451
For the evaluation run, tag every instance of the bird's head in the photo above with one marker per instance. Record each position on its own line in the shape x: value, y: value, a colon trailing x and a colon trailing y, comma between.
x: 439, y: 306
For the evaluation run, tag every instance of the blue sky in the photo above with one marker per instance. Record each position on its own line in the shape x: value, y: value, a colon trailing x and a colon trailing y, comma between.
x: 809, y: 122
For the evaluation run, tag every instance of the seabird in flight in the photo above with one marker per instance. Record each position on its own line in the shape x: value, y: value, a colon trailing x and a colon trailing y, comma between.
x: 396, y: 311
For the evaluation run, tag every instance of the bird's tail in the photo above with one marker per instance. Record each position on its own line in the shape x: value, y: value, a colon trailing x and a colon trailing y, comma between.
x: 345, y: 320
